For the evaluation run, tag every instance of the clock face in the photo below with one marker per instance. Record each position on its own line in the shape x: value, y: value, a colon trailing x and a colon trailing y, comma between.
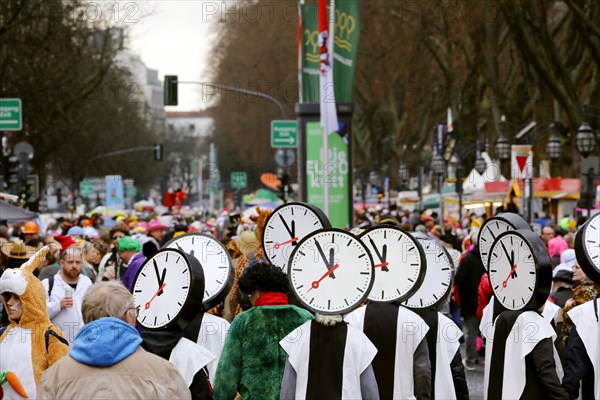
x: 437, y: 283
x: 400, y: 263
x: 587, y: 248
x: 163, y: 286
x: 331, y: 271
x: 215, y: 261
x: 517, y: 258
x: 286, y: 227
x: 493, y: 227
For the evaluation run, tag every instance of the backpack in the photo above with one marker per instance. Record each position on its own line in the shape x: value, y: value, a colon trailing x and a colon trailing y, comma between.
x: 49, y: 332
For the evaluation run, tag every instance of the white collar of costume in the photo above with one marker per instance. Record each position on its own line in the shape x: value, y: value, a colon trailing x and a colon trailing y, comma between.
x: 189, y: 358
x: 448, y: 335
x: 411, y: 329
x: 588, y: 328
x: 358, y: 355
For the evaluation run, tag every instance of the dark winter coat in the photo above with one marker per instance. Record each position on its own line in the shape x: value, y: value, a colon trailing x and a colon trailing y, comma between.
x: 467, y: 279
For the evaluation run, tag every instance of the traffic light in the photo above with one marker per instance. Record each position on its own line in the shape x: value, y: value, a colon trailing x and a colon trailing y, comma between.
x: 170, y: 90
x: 11, y: 170
x: 158, y: 152
x: 283, y: 189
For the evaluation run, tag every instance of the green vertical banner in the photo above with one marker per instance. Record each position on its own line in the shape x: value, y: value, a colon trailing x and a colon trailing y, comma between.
x: 336, y: 174
x: 309, y: 53
x: 346, y: 36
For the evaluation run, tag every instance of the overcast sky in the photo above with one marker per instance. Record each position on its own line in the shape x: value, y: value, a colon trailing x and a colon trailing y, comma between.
x: 173, y: 37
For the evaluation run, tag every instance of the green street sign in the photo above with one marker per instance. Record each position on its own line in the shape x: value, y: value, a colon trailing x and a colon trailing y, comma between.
x: 11, y: 115
x: 86, y: 188
x: 284, y: 133
x: 239, y: 180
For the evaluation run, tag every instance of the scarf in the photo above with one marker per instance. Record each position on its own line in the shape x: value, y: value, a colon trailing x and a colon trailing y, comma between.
x: 272, y: 299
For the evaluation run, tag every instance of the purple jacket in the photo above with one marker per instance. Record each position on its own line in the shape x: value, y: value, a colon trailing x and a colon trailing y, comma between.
x: 133, y: 267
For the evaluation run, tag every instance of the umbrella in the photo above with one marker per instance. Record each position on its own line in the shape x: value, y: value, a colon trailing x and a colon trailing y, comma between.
x: 12, y: 213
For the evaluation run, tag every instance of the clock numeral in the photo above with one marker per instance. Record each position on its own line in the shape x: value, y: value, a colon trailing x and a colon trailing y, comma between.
x: 180, y: 305
x: 596, y: 256
x: 365, y: 273
x: 410, y: 280
x: 444, y: 284
x: 167, y: 257
x: 206, y: 292
x: 592, y: 226
x: 532, y: 272
x: 346, y: 302
x: 362, y: 255
x: 332, y: 238
x: 185, y: 287
x: 223, y: 267
x: 303, y: 255
x: 184, y: 271
x: 143, y: 274
x: 349, y: 243
x: 484, y: 254
x: 193, y: 239
x: 137, y: 291
x: 530, y: 289
x: 435, y: 297
x: 421, y: 301
x: 143, y: 319
x: 445, y: 269
x: 383, y: 294
x: 300, y: 287
x: 316, y: 223
x: 329, y: 304
x: 504, y: 299
x: 218, y: 281
x: 440, y: 255
x: 411, y: 249
x: 492, y: 270
x: 399, y: 292
x: 513, y: 303
x: 269, y: 241
x: 155, y: 319
x: 496, y: 287
x: 311, y: 300
x: 305, y: 211
x: 529, y: 256
x: 168, y: 316
x: 385, y: 234
x: 414, y: 265
x: 483, y: 239
x: 292, y: 211
x: 591, y: 241
x: 523, y: 300
x: 297, y: 269
x: 273, y: 257
x: 360, y: 290
x: 512, y: 244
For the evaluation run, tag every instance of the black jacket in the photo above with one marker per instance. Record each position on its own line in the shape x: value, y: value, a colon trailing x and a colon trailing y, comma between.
x: 578, y: 368
x: 467, y: 279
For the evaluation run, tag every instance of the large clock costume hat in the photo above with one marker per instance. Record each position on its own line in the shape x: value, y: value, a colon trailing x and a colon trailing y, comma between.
x: 331, y: 273
x: 586, y: 316
x: 521, y: 339
x: 168, y: 292
x: 33, y: 334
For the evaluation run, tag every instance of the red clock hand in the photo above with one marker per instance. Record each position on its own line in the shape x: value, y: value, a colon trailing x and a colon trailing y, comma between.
x: 315, y: 284
x: 385, y: 264
x: 509, y: 275
x: 278, y: 245
x: 160, y: 289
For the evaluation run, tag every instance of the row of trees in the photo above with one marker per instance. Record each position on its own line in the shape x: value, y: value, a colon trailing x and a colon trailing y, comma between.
x: 60, y: 58
x: 527, y: 59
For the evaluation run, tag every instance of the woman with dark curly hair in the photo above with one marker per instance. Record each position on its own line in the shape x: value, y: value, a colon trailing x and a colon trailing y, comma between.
x: 252, y: 362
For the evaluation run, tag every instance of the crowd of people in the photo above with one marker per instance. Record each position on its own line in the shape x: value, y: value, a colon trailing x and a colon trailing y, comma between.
x: 69, y: 288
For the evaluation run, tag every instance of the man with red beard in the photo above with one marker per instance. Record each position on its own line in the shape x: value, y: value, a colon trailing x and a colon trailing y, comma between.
x: 65, y: 297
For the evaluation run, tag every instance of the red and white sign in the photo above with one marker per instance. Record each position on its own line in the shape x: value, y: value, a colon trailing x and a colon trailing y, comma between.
x: 521, y: 164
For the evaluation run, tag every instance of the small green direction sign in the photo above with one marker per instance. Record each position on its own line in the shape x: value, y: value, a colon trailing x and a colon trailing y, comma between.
x: 239, y: 180
x: 86, y: 188
x: 284, y: 133
x: 11, y: 115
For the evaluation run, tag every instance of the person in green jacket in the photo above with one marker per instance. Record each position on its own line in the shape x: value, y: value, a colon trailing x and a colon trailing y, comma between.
x: 252, y: 362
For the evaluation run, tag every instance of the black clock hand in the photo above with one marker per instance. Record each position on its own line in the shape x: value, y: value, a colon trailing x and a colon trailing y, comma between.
x: 510, y: 259
x: 331, y: 261
x: 287, y: 228
x: 162, y: 279
x: 329, y: 266
x: 512, y: 263
x: 384, y: 260
x: 157, y: 274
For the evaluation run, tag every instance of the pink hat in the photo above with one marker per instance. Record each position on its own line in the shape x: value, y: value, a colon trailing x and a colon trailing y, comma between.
x: 155, y: 225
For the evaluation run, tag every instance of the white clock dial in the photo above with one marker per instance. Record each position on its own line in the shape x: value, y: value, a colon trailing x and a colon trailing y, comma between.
x: 438, y: 277
x: 215, y: 261
x: 399, y: 263
x: 161, y: 288
x: 492, y: 228
x: 512, y: 271
x: 331, y: 271
x: 587, y: 248
x: 286, y: 227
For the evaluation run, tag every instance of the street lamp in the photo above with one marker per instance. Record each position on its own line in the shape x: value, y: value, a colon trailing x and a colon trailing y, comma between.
x: 554, y: 148
x: 585, y: 140
x: 502, y: 148
x: 403, y: 173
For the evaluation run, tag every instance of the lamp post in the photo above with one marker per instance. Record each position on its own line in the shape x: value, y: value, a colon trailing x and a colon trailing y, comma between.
x: 586, y: 142
x: 438, y: 166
